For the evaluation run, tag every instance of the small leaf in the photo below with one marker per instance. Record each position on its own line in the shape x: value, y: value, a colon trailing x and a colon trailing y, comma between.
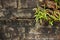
x: 51, y: 22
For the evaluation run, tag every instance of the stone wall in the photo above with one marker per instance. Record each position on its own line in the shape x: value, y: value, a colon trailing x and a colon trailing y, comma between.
x: 17, y: 21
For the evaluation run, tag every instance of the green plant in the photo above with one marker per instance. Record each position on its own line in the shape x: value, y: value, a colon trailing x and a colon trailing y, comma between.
x: 41, y: 14
x: 55, y: 16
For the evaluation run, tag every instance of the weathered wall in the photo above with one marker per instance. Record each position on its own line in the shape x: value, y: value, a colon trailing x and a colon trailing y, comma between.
x: 17, y: 20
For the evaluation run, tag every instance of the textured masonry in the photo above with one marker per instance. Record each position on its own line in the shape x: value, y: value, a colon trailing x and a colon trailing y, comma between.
x: 17, y: 20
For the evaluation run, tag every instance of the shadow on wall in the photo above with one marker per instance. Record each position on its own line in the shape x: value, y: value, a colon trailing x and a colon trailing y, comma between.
x: 14, y: 28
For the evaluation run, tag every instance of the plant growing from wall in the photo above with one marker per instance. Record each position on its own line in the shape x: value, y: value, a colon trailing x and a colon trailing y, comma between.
x: 42, y: 14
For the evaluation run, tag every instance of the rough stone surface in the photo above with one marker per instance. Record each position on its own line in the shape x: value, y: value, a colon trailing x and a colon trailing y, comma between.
x: 9, y: 3
x: 17, y: 22
x: 15, y: 30
x: 25, y: 13
x: 27, y: 3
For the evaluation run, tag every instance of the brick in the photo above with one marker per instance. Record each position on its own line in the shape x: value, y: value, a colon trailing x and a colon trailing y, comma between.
x: 25, y: 13
x: 7, y: 13
x: 11, y: 13
x: 27, y: 4
x: 22, y: 22
x: 17, y: 23
x: 10, y: 3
